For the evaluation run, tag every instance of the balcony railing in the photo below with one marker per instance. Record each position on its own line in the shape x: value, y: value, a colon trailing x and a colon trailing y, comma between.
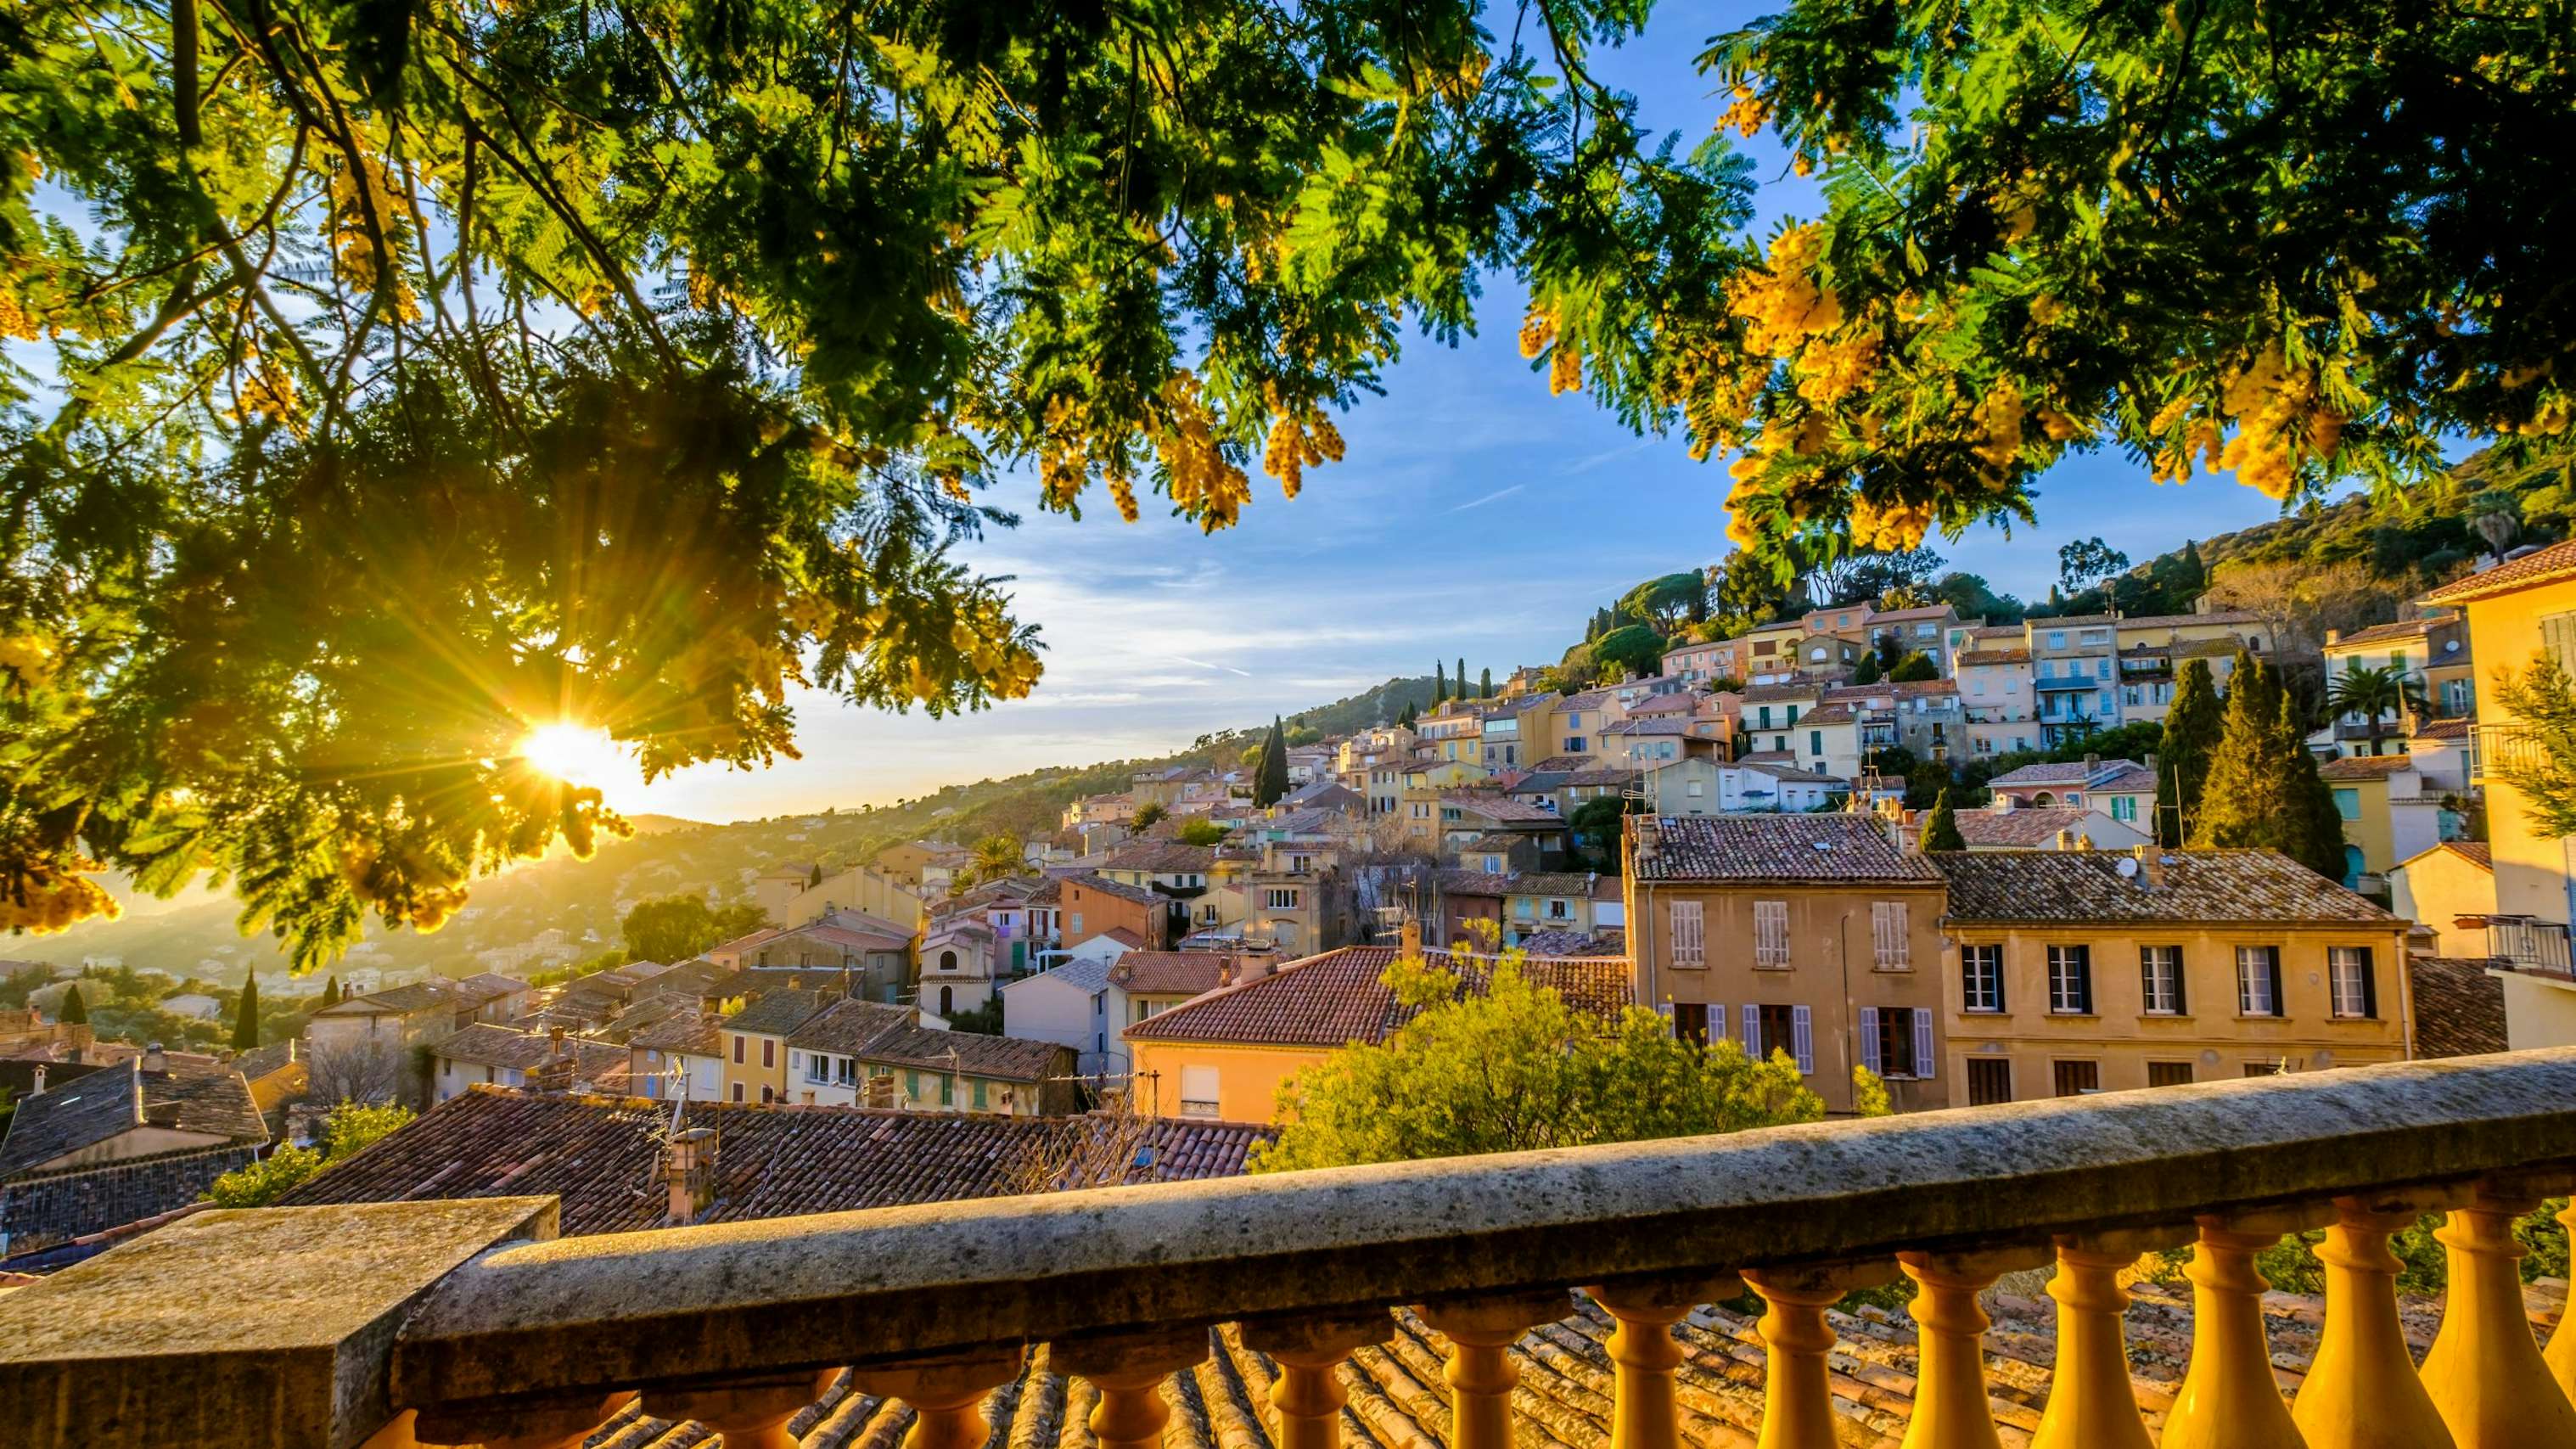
x: 471, y: 1322
x: 2530, y: 945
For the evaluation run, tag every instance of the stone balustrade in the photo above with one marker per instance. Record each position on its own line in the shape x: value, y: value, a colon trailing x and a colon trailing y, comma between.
x: 472, y: 1323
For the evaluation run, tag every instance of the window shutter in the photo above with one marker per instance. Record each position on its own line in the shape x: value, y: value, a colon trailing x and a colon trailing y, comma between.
x: 2273, y: 965
x: 2369, y: 985
x: 2182, y: 990
x: 1869, y: 1037
x: 2084, y: 977
x: 1716, y: 1023
x: 1753, y: 1031
x: 1804, y: 1049
x: 1923, y: 1044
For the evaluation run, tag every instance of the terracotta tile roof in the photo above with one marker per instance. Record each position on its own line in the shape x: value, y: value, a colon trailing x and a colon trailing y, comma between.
x: 1788, y: 774
x: 1909, y: 688
x: 1768, y: 693
x: 1500, y: 807
x: 490, y: 986
x: 2554, y: 562
x: 2162, y: 621
x: 2446, y: 729
x: 1002, y: 1058
x: 1611, y: 941
x: 849, y: 1027
x: 1968, y: 658
x: 402, y: 1000
x: 1119, y: 890
x: 2364, y: 767
x: 2382, y: 633
x: 2071, y: 621
x: 1168, y: 859
x: 2459, y: 1008
x: 1651, y: 725
x: 2062, y: 772
x: 1341, y: 996
x: 1800, y: 848
x: 260, y: 1061
x: 744, y: 942
x: 2025, y: 826
x: 1574, y: 883
x: 771, y: 1162
x: 1478, y: 884
x: 1165, y: 972
x: 1828, y: 714
x: 1601, y: 775
x: 1663, y: 704
x: 2476, y: 852
x: 1925, y: 611
x: 779, y: 1012
x: 1124, y: 937
x: 486, y: 1044
x: 1767, y: 757
x: 693, y: 1033
x: 2086, y: 887
x: 107, y: 1103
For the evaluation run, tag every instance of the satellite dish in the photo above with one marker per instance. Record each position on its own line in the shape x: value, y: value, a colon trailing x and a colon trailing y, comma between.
x: 2128, y: 867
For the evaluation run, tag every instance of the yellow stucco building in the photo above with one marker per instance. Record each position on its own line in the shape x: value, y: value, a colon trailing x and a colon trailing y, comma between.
x: 2072, y: 972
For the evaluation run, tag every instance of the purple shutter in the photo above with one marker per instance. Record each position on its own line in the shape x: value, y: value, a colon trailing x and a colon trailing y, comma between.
x: 1869, y: 1037
x: 1717, y: 1023
x: 1923, y: 1057
x: 1752, y: 1031
x: 1799, y: 1030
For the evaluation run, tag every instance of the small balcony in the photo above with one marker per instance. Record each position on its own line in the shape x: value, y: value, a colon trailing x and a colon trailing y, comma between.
x: 2528, y: 944
x: 391, y: 1325
x: 2063, y: 684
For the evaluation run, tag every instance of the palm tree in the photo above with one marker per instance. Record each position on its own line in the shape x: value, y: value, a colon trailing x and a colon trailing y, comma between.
x: 2372, y: 692
x: 995, y: 857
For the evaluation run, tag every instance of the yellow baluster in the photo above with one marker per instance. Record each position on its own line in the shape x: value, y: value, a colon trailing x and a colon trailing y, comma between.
x: 2228, y: 1398
x: 2485, y: 1372
x: 1951, y: 1410
x: 2361, y: 1391
x: 749, y: 1415
x: 2561, y: 1354
x: 1129, y: 1369
x: 2090, y: 1402
x: 1308, y: 1394
x: 1797, y: 1389
x: 946, y: 1395
x: 1481, y: 1373
x: 1643, y: 1354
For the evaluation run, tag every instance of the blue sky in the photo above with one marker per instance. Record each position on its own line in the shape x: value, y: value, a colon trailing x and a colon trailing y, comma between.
x: 1473, y: 515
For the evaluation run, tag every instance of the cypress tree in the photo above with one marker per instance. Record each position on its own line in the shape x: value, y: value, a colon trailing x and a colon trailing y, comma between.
x: 1462, y: 676
x: 331, y: 992
x: 246, y: 1016
x: 2192, y: 730
x: 1486, y: 686
x: 1272, y: 782
x: 1439, y: 682
x: 2258, y: 792
x: 2315, y: 837
x: 75, y: 1010
x: 1941, y: 830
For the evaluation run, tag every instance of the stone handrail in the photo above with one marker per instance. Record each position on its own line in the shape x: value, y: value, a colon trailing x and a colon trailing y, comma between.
x: 530, y: 1341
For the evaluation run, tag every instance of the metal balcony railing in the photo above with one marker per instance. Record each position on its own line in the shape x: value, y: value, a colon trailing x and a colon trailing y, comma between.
x: 472, y: 1322
x: 2530, y: 945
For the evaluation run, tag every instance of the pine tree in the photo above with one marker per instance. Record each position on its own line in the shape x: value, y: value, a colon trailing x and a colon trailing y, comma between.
x: 1406, y: 719
x: 246, y: 1017
x: 1272, y: 782
x: 2195, y: 574
x: 2192, y: 728
x: 2258, y: 792
x: 74, y: 1010
x: 1439, y: 682
x: 331, y: 992
x: 2315, y: 838
x: 1486, y: 688
x: 1867, y: 671
x: 1941, y: 829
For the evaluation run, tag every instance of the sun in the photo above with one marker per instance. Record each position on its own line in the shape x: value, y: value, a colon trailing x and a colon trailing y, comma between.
x: 577, y: 754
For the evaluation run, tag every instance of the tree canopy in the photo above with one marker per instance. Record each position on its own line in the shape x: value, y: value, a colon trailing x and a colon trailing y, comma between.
x: 1513, y: 1068
x: 676, y: 927
x: 2293, y: 242
x: 420, y: 376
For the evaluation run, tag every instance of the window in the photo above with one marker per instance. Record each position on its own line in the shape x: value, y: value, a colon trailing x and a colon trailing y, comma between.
x: 1890, y: 942
x: 2347, y: 802
x: 2074, y: 1079
x: 1198, y: 1092
x: 2070, y: 981
x: 1697, y: 788
x: 2356, y: 996
x: 2558, y: 636
x: 1790, y: 1029
x: 818, y: 1067
x: 2160, y: 979
x: 1690, y: 1021
x: 1816, y: 743
x: 1766, y: 716
x: 737, y: 1091
x: 978, y: 1084
x: 947, y: 1090
x: 2258, y: 981
x: 1688, y: 947
x: 1981, y: 979
x: 1076, y: 918
x: 737, y: 1051
x: 1280, y: 899
x: 1989, y: 1082
x: 2275, y: 1067
x: 1793, y: 714
x: 1560, y: 910
x: 2056, y: 638
x: 1493, y: 865
x: 1770, y: 933
x: 768, y: 1053
x: 846, y: 1071
x: 2168, y: 1074
x: 1896, y: 1041
x: 2124, y: 807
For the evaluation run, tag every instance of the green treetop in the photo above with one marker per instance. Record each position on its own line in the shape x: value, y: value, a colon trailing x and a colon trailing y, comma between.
x: 2262, y: 788
x: 1941, y: 827
x: 246, y: 1016
x: 74, y: 1010
x: 2192, y: 730
x: 1272, y: 781
x: 1514, y: 1067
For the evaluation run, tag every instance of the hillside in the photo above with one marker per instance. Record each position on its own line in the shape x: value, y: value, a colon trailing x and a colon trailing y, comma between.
x: 582, y: 900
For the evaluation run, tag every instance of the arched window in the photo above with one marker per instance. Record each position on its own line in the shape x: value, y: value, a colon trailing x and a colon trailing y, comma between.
x: 947, y: 960
x: 947, y: 1000
x: 2043, y: 798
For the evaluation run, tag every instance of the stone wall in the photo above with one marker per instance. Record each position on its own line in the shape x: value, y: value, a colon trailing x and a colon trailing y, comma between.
x: 42, y: 1210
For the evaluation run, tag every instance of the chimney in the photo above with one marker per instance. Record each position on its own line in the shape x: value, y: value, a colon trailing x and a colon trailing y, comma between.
x: 2334, y: 636
x: 1650, y: 837
x: 37, y: 1089
x: 689, y: 1166
x: 155, y: 1059
x: 1408, y: 938
x: 2151, y: 867
x: 2092, y: 767
x: 2066, y: 840
x: 555, y: 1034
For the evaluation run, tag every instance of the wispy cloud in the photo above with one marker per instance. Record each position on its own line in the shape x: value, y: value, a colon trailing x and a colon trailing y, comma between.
x: 1495, y: 497
x: 1608, y: 456
x: 1203, y: 664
